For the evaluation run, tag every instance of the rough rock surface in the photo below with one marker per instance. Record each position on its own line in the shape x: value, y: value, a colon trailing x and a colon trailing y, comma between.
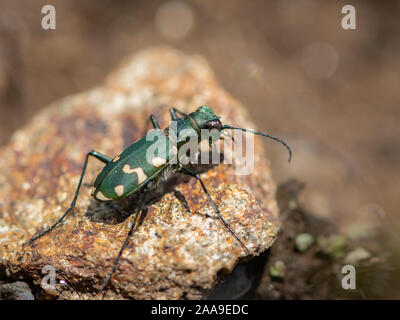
x: 15, y: 291
x: 180, y: 250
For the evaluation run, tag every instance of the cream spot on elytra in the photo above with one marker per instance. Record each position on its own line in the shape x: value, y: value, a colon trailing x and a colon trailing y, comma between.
x: 119, y: 190
x: 158, y: 161
x: 101, y: 196
x: 139, y: 171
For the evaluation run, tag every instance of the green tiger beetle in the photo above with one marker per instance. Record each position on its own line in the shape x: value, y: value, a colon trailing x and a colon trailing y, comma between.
x: 132, y: 172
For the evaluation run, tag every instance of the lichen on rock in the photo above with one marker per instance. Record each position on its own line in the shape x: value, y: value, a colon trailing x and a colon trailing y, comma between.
x: 180, y: 250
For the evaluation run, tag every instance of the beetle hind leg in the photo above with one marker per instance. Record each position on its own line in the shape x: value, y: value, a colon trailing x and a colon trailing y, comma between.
x: 191, y: 173
x: 97, y: 155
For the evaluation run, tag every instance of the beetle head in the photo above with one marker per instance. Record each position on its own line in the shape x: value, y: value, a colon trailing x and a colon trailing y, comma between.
x: 205, y: 118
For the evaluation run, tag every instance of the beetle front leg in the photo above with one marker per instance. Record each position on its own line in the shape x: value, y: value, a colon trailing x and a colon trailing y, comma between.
x: 97, y: 155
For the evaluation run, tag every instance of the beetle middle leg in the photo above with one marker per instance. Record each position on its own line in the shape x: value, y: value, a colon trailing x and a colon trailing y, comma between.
x: 135, y: 224
x: 191, y: 173
x: 174, y: 111
x: 97, y: 155
x: 154, y: 121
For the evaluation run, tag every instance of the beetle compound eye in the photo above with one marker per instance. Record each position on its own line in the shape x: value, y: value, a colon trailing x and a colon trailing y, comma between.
x: 214, y: 124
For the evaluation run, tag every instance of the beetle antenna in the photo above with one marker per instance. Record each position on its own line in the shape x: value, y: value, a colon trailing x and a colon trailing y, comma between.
x: 230, y: 136
x: 264, y: 135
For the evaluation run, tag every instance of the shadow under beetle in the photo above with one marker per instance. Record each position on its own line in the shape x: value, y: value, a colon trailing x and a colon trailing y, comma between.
x: 132, y: 173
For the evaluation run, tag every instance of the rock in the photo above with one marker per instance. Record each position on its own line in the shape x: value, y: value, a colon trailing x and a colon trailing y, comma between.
x: 333, y: 246
x: 180, y: 250
x: 235, y: 286
x: 357, y: 255
x: 277, y: 270
x: 15, y: 291
x: 304, y: 241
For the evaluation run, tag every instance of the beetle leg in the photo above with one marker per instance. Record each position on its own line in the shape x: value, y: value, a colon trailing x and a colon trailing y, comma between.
x: 154, y: 121
x: 99, y: 156
x: 174, y: 111
x: 92, y: 153
x: 135, y: 223
x: 191, y: 173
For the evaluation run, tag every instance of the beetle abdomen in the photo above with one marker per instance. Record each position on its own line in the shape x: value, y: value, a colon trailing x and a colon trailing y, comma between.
x: 133, y: 168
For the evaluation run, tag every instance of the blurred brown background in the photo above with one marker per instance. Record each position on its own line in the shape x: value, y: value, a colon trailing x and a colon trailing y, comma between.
x: 333, y: 94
